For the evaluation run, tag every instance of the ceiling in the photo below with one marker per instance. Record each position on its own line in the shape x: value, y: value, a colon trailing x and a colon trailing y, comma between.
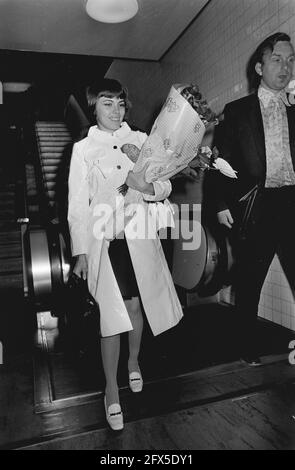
x: 62, y: 26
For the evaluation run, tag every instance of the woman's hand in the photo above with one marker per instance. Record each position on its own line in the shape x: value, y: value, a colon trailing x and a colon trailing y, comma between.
x: 81, y: 266
x: 137, y: 181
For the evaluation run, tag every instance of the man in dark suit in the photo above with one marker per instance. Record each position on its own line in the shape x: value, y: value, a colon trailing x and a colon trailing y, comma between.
x: 258, y: 140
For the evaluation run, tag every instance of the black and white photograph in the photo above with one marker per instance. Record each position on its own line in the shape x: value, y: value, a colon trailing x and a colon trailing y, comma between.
x: 147, y: 227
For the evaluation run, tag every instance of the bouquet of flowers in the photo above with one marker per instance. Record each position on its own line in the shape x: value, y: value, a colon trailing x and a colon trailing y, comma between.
x: 207, y: 159
x: 175, y: 138
x: 173, y: 144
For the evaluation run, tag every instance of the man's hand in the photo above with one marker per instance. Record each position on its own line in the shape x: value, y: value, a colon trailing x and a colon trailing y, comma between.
x: 137, y: 181
x: 224, y: 218
x: 189, y: 173
x: 81, y: 266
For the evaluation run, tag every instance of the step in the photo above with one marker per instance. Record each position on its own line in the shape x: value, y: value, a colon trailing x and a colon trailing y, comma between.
x: 11, y: 281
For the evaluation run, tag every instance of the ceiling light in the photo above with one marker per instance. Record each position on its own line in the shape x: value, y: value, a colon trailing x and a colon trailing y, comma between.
x: 111, y: 11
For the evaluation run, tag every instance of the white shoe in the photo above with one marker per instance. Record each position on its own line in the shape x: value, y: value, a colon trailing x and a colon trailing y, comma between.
x: 135, y: 382
x: 114, y: 415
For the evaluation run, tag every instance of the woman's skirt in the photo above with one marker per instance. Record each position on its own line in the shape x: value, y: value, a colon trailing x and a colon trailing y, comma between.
x: 123, y: 268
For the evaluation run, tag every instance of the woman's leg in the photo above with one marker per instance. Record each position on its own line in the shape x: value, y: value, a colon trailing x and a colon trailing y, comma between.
x: 134, y: 336
x: 110, y: 351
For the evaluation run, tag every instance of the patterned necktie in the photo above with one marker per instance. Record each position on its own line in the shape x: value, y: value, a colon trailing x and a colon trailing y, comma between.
x: 279, y: 168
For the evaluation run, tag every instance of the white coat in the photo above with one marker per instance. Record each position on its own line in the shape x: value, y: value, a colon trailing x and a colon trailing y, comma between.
x: 98, y: 167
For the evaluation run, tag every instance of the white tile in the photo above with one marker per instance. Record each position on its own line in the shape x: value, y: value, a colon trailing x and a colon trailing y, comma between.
x: 275, y: 263
x: 267, y: 289
x: 277, y: 291
x: 276, y: 277
x: 287, y: 294
x: 284, y: 281
x: 292, y: 323
x: 262, y: 300
x: 261, y: 312
x: 269, y: 314
x: 277, y: 317
x: 286, y: 307
x: 292, y: 309
x: 286, y: 321
x: 277, y: 304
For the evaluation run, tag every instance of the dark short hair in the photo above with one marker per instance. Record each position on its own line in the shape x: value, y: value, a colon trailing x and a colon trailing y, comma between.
x: 257, y: 57
x: 108, y: 87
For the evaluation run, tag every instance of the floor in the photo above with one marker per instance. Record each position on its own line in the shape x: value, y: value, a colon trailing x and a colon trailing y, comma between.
x: 206, y: 337
x: 263, y: 421
x: 197, y: 394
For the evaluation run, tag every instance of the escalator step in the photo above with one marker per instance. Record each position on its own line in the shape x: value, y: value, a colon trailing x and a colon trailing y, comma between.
x: 50, y: 123
x: 10, y: 236
x: 52, y: 142
x: 50, y: 177
x: 7, y: 215
x: 50, y: 167
x: 10, y: 259
x: 51, y: 194
x: 6, y: 197
x: 52, y: 149
x: 6, y: 200
x: 52, y: 156
x: 51, y: 127
x: 11, y: 281
x: 10, y: 264
x: 51, y: 185
x: 60, y: 134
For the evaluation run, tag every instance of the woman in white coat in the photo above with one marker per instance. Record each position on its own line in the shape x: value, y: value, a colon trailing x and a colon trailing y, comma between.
x: 123, y: 270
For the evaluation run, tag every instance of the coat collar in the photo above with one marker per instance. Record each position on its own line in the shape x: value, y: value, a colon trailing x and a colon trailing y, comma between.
x: 96, y: 133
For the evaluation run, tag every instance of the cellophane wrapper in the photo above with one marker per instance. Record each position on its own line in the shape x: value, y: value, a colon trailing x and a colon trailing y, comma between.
x: 174, y: 139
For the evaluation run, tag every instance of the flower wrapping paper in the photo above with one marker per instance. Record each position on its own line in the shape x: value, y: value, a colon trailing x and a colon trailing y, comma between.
x: 174, y: 140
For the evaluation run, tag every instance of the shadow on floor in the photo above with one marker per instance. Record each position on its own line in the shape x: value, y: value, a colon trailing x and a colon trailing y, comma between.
x: 205, y: 337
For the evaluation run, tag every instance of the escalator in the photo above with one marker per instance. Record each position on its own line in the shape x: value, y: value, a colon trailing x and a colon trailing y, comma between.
x: 15, y: 321
x: 54, y: 144
x: 10, y: 248
x: 33, y: 269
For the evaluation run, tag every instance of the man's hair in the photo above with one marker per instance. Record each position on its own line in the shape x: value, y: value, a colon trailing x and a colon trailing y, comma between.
x: 257, y: 57
x: 108, y: 87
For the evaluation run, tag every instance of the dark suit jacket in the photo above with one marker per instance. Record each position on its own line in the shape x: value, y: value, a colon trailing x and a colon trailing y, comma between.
x: 241, y: 142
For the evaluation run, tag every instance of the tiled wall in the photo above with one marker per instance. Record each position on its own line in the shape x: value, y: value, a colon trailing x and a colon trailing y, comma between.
x: 277, y: 298
x: 214, y: 52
